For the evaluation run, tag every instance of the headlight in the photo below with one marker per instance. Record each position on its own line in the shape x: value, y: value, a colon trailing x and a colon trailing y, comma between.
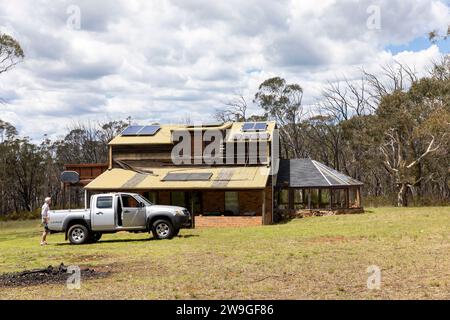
x: 179, y: 213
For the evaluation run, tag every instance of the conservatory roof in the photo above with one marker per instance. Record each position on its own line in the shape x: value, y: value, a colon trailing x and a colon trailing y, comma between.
x: 303, y: 173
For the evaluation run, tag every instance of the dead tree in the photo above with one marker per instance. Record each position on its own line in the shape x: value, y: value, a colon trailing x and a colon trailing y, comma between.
x: 235, y: 110
x: 395, y: 162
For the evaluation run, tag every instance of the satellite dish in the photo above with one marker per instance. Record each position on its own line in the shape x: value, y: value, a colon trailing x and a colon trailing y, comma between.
x: 70, y: 177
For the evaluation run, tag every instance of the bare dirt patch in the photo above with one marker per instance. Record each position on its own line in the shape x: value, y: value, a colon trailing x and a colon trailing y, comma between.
x: 49, y: 275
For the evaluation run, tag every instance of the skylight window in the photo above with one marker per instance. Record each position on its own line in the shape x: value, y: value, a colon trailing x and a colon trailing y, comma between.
x: 172, y: 176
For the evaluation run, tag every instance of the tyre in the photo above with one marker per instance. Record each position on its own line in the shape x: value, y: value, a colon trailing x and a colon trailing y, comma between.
x: 163, y: 229
x: 95, y: 237
x: 78, y: 234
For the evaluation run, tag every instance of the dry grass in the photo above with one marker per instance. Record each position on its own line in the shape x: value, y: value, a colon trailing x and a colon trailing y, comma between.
x: 311, y: 258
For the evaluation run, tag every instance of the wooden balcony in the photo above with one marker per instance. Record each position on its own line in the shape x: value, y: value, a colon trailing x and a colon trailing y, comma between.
x: 87, y: 171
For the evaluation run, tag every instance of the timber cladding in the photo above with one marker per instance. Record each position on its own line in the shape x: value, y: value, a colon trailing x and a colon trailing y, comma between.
x: 142, y: 152
x: 268, y: 217
x: 87, y: 171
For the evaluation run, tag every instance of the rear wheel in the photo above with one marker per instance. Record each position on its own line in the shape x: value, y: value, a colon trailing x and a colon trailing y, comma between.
x: 163, y: 229
x: 78, y: 234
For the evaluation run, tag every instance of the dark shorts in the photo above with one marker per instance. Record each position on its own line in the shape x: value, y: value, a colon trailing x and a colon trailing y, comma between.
x: 45, y: 227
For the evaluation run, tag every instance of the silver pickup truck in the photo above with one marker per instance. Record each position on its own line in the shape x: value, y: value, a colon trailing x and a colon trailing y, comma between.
x: 114, y: 212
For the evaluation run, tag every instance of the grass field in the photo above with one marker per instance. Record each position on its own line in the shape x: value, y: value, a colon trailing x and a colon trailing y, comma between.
x: 311, y: 258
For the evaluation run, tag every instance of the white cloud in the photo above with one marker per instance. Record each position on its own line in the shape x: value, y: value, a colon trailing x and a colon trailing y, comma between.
x: 164, y: 60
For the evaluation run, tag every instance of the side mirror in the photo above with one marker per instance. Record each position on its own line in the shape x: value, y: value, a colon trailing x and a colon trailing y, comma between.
x: 141, y: 204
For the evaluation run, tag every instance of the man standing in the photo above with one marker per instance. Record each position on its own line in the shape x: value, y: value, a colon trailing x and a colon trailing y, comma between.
x: 45, y: 219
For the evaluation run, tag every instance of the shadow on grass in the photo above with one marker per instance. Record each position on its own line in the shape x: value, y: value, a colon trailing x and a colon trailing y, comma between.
x: 187, y: 236
x: 128, y: 240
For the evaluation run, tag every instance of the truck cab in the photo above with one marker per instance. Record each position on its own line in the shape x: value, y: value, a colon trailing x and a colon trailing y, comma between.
x: 114, y: 212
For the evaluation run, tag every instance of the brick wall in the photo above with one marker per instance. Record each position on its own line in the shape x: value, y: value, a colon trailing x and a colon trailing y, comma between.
x: 214, y: 201
x: 202, y: 222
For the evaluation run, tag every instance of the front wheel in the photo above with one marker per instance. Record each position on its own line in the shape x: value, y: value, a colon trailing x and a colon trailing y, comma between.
x: 78, y: 234
x: 163, y: 229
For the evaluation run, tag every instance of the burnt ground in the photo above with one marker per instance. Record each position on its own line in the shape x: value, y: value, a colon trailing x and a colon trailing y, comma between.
x: 49, y: 275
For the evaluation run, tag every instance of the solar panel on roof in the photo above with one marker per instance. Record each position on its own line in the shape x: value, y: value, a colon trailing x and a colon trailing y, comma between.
x: 260, y: 126
x: 132, y: 130
x: 175, y: 176
x: 248, y: 126
x: 202, y: 176
x: 254, y: 126
x: 149, y: 130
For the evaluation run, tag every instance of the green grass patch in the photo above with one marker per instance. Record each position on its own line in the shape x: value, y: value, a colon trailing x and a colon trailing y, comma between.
x: 310, y: 258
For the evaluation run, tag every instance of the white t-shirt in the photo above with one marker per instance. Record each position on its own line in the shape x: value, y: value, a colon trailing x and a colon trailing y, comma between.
x: 44, y: 211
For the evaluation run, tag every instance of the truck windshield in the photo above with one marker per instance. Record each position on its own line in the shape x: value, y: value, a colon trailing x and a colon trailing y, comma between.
x: 144, y: 200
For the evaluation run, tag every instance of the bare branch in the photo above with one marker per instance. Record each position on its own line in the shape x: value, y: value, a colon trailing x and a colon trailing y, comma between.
x: 235, y: 110
x: 429, y: 150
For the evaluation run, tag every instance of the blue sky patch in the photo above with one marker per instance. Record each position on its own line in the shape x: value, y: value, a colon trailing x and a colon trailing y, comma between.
x: 419, y: 44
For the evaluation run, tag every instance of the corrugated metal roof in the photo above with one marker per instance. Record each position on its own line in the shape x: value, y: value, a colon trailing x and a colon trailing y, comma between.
x: 302, y: 173
x: 241, y: 178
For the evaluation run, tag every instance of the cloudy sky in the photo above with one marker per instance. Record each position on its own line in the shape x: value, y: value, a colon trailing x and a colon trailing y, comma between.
x: 165, y: 61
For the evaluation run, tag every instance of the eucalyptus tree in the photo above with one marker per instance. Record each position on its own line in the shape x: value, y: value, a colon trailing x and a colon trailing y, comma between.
x: 282, y: 102
x: 11, y: 53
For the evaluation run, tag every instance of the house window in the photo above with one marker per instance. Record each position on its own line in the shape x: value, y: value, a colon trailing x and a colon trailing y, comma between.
x: 300, y: 199
x: 324, y: 199
x: 232, y: 202
x: 151, y: 196
x: 339, y: 198
x: 283, y: 199
x: 353, y: 198
x: 178, y: 198
x: 315, y: 199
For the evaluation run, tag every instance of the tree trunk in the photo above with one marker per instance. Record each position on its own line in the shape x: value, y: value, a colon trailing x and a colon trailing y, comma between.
x: 402, y: 196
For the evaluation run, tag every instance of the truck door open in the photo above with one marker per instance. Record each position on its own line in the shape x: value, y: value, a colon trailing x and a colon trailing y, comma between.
x: 133, y: 214
x: 103, y: 214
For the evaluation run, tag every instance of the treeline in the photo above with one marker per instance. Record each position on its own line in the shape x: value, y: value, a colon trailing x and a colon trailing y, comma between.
x: 390, y: 130
x: 30, y: 172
